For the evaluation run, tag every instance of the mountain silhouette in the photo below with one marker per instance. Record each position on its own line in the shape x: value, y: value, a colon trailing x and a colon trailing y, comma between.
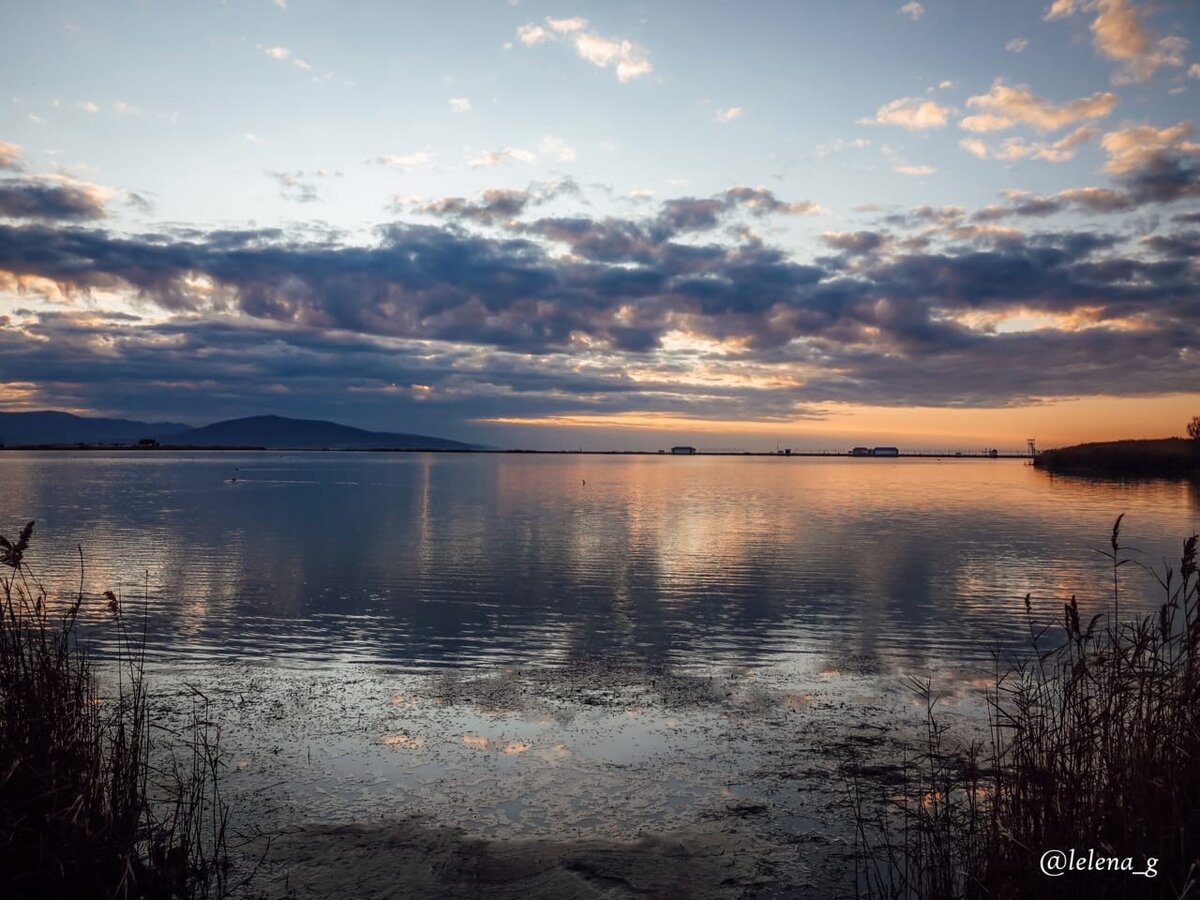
x: 280, y: 433
x: 46, y: 427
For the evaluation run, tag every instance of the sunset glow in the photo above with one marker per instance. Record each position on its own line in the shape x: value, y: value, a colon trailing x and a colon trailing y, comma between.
x: 803, y: 223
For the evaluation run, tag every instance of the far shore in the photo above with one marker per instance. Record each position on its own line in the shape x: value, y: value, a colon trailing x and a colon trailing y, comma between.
x: 784, y: 454
x: 1155, y: 458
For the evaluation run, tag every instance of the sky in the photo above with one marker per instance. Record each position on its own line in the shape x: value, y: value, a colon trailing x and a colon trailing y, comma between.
x: 943, y: 224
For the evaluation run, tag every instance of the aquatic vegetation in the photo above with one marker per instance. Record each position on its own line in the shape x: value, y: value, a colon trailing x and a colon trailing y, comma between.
x: 1166, y: 458
x: 1092, y: 752
x: 91, y: 804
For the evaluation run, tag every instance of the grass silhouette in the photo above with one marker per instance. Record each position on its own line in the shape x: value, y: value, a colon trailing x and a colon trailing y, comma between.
x: 1093, y: 743
x: 90, y: 805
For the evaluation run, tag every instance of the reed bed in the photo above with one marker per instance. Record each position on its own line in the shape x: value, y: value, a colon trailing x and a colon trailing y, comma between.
x: 95, y: 800
x: 1093, y: 746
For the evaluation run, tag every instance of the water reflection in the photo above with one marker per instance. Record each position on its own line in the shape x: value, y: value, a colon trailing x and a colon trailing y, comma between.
x: 424, y: 561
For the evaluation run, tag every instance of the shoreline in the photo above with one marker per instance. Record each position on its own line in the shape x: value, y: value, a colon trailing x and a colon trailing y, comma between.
x: 1172, y: 458
x: 801, y: 454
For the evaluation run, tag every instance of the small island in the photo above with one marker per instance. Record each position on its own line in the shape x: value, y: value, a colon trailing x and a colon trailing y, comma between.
x: 1173, y: 457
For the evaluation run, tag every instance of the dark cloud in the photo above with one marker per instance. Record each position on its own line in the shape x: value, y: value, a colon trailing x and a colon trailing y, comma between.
x: 1163, y: 177
x: 493, y: 206
x: 925, y: 215
x: 692, y: 214
x: 47, y: 200
x: 439, y: 321
x: 138, y: 202
x: 1185, y: 246
x: 676, y: 217
x: 1023, y: 205
x: 1098, y: 200
x: 855, y: 242
x: 496, y: 206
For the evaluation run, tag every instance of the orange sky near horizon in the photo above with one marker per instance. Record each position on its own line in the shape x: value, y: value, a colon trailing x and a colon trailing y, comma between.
x: 1052, y: 423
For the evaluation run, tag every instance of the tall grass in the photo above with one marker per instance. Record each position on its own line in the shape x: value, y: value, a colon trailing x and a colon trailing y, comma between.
x: 1093, y: 744
x: 92, y: 802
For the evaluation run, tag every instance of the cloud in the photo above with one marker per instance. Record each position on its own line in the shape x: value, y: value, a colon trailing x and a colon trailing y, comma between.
x: 1062, y: 150
x: 494, y: 205
x: 1120, y: 33
x: 621, y: 54
x: 472, y: 324
x: 760, y: 201
x: 88, y: 107
x: 299, y: 186
x: 10, y: 156
x: 624, y: 57
x: 1132, y: 148
x: 1017, y: 45
x: 614, y: 241
x: 975, y: 147
x: 906, y: 169
x: 138, y: 202
x: 460, y: 104
x: 1060, y: 9
x: 913, y: 113
x: 913, y: 10
x: 530, y: 34
x: 1097, y: 200
x: 1156, y: 165
x: 728, y: 114
x: 1089, y: 200
x: 579, y: 313
x: 497, y: 205
x: 421, y: 159
x: 567, y: 26
x: 1194, y: 71
x: 1006, y: 107
x: 501, y: 157
x: 51, y: 199
x: 858, y: 243
x: 550, y: 148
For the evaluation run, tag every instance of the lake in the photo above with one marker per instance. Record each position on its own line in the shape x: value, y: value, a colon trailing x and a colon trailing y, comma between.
x: 428, y: 561
x: 572, y: 646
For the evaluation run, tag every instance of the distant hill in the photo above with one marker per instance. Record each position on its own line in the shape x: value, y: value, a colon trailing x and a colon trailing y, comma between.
x: 1163, y: 458
x: 25, y: 428
x: 279, y: 433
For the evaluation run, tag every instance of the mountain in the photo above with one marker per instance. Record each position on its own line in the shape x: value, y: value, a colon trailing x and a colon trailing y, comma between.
x: 23, y: 428
x: 279, y: 433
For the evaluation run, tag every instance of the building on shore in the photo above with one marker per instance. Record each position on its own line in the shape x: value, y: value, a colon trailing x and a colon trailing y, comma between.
x: 875, y: 451
x: 683, y: 451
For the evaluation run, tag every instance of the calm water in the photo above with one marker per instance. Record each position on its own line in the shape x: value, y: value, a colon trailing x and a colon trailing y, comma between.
x: 433, y: 561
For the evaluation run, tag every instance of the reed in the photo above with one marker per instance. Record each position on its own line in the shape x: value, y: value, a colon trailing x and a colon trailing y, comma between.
x: 1093, y: 743
x: 94, y: 802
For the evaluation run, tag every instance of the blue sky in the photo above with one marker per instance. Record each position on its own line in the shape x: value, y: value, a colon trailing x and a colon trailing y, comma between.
x: 606, y: 224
